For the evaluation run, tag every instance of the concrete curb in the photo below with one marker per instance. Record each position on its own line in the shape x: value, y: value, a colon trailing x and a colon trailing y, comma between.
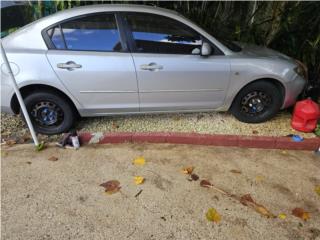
x: 201, y: 139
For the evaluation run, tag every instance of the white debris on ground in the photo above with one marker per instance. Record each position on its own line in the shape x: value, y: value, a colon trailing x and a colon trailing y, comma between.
x: 210, y: 123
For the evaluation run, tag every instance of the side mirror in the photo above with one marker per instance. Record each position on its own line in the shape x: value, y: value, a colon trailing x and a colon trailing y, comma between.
x: 205, y: 49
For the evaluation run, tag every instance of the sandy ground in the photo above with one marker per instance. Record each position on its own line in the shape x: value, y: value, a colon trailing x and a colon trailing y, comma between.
x: 43, y: 199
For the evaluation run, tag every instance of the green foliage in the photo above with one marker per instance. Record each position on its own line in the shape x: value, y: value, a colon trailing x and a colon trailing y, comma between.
x: 317, y: 130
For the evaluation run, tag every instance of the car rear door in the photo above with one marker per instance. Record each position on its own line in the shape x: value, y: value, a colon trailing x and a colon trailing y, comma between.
x: 90, y: 57
x: 172, y: 76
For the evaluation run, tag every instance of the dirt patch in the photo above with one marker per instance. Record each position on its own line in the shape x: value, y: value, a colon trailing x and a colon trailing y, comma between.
x: 63, y: 199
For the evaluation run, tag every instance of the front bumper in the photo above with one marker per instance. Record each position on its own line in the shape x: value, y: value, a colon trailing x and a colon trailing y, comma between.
x: 293, y: 89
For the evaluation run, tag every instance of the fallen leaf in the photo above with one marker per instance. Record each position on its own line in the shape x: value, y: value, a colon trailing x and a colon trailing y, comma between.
x: 284, y: 152
x: 213, y: 216
x: 111, y: 186
x: 53, y: 158
x: 317, y: 190
x: 139, y: 161
x: 259, y: 178
x: 206, y: 184
x: 194, y: 177
x: 115, y: 125
x: 300, y: 213
x: 176, y: 118
x: 138, y: 180
x: 187, y: 170
x: 282, y: 216
x: 40, y: 147
x: 245, y: 199
x: 10, y: 142
x: 235, y: 171
x: 248, y: 201
x: 255, y: 132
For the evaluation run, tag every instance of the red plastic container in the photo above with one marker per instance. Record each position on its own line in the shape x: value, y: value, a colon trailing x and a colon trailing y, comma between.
x: 305, y: 116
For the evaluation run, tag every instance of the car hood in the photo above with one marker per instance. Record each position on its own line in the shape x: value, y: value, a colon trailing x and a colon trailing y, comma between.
x: 252, y: 50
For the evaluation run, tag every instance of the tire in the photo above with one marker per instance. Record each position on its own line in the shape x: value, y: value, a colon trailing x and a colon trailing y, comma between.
x: 267, y: 93
x: 50, y: 113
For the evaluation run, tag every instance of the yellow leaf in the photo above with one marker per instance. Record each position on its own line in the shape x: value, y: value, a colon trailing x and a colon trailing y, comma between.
x: 282, y: 216
x: 317, y: 190
x: 187, y: 170
x: 259, y: 178
x: 138, y: 180
x: 213, y: 216
x: 284, y: 152
x: 139, y: 161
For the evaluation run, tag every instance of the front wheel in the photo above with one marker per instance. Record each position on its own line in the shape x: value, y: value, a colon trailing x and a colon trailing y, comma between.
x: 257, y: 102
x: 50, y: 113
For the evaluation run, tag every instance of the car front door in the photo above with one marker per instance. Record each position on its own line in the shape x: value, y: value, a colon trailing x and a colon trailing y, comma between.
x: 89, y: 56
x: 172, y: 76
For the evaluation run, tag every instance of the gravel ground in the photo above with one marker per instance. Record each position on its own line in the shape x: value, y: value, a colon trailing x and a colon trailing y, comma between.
x: 60, y: 200
x: 211, y: 123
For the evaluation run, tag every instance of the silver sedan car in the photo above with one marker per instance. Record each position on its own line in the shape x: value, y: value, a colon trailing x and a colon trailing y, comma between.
x: 128, y: 59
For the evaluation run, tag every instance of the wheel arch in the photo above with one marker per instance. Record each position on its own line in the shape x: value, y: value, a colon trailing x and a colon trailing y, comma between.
x: 276, y: 82
x: 28, y: 89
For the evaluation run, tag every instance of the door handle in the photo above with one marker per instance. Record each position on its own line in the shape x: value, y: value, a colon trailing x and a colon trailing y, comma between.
x: 70, y: 65
x: 151, y: 67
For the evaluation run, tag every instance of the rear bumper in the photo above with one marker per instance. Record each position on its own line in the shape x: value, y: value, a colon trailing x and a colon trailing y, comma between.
x: 293, y: 89
x: 6, y: 95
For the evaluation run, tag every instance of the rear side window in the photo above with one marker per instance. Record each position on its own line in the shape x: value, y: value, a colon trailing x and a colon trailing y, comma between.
x: 158, y: 34
x: 91, y: 33
x: 56, y: 37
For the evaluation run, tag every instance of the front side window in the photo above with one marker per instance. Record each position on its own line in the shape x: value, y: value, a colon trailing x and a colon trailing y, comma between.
x: 158, y: 34
x: 90, y: 33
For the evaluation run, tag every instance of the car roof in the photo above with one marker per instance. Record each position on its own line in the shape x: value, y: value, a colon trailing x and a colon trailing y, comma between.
x: 109, y: 7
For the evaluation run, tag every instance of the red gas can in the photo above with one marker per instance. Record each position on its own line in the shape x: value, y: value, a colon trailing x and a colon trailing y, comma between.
x: 305, y: 116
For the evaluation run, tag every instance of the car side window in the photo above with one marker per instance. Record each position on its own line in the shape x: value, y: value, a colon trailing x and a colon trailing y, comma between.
x: 159, y: 34
x: 90, y: 33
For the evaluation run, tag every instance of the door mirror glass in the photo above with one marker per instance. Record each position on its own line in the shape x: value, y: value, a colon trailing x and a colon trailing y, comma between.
x: 206, y: 49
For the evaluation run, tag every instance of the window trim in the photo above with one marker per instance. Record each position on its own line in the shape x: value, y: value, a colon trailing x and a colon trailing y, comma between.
x: 132, y: 45
x: 51, y: 46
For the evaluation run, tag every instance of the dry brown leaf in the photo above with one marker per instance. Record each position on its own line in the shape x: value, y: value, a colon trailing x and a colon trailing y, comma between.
x: 194, y: 177
x: 111, y: 186
x: 247, y: 200
x: 10, y: 142
x: 235, y: 171
x: 255, y: 132
x: 115, y: 125
x: 206, y: 184
x: 53, y: 158
x: 300, y: 213
x: 188, y: 170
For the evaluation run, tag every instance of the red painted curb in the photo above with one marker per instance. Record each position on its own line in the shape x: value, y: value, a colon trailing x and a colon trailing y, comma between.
x: 205, y: 139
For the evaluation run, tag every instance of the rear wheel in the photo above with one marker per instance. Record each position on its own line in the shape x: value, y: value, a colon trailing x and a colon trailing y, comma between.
x: 50, y: 113
x: 257, y: 102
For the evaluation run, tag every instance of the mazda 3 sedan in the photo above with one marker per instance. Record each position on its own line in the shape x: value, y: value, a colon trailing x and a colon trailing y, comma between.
x: 127, y: 59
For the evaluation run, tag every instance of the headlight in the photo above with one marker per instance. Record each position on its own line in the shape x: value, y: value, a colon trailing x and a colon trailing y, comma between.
x: 301, y: 70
